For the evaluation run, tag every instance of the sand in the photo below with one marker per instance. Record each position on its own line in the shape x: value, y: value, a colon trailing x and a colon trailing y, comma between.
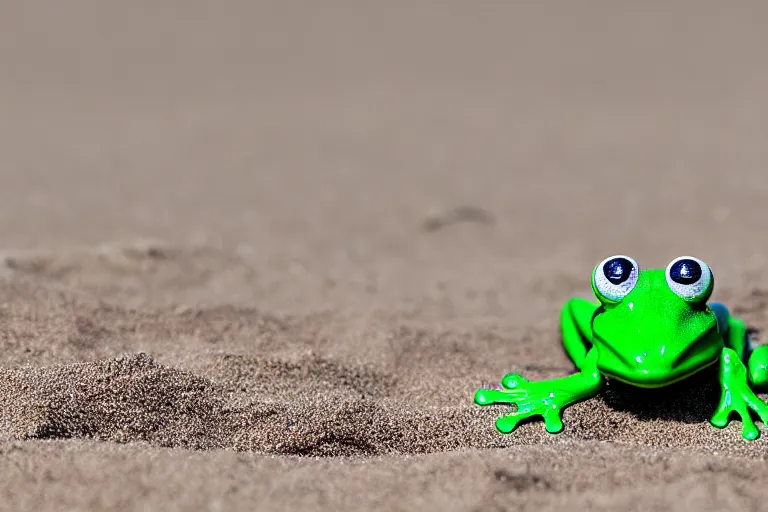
x: 260, y: 255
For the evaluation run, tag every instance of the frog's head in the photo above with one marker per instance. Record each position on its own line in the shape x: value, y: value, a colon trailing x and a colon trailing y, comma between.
x: 654, y: 326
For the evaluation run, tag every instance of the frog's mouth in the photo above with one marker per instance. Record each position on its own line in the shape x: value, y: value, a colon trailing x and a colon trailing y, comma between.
x: 655, y: 384
x: 658, y: 371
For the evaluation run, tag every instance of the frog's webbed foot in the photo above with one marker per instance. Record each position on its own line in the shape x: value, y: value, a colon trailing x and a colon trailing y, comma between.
x: 737, y: 397
x: 530, y: 398
x: 545, y: 398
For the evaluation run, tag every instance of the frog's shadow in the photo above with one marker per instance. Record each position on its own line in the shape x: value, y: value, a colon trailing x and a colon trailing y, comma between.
x: 693, y: 400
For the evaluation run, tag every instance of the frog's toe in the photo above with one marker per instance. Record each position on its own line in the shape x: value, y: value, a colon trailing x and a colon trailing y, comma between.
x: 757, y: 405
x: 508, y: 423
x: 505, y: 425
x: 762, y: 413
x: 722, y: 416
x: 720, y: 419
x: 749, y: 430
x: 553, y: 422
x: 512, y: 380
x: 483, y: 397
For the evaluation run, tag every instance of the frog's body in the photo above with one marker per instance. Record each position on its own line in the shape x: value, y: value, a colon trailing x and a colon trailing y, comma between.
x: 649, y: 328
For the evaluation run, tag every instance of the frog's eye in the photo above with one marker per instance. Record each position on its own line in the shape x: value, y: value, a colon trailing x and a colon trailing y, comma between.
x: 615, y: 277
x: 690, y: 278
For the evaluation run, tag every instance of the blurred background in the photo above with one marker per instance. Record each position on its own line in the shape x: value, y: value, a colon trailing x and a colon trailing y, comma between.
x: 391, y: 154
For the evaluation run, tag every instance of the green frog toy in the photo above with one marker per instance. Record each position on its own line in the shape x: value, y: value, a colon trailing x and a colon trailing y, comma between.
x: 649, y: 328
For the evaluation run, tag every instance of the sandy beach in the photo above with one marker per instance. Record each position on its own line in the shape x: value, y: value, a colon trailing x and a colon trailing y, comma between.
x: 260, y: 255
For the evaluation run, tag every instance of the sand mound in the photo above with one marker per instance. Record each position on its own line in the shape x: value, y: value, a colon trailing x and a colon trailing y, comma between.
x: 326, y: 412
x: 124, y: 399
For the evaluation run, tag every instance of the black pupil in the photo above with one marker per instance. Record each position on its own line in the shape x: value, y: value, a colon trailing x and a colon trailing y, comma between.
x: 617, y: 270
x: 685, y: 272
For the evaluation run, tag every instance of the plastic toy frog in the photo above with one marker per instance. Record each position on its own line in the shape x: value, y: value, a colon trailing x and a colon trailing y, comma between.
x: 649, y: 328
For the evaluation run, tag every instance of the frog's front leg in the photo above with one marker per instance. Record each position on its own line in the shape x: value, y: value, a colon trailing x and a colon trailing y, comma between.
x: 737, y: 396
x: 545, y: 398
